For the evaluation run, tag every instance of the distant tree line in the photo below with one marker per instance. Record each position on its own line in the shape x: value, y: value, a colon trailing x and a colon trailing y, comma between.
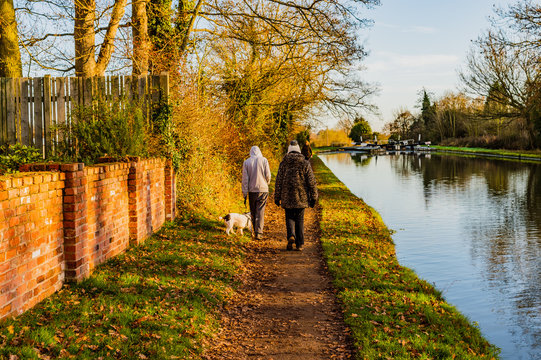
x: 499, y: 104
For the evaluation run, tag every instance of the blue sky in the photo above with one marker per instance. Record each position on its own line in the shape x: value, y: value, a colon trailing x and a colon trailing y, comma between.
x: 416, y: 44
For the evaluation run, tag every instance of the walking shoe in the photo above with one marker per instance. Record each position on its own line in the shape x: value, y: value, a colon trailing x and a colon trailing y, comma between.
x: 258, y: 236
x: 299, y: 248
x: 290, y: 243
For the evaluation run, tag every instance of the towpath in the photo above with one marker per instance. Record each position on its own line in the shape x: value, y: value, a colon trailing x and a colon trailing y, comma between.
x: 286, y: 308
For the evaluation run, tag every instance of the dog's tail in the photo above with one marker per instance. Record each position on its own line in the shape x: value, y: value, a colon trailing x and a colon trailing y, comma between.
x: 225, y: 217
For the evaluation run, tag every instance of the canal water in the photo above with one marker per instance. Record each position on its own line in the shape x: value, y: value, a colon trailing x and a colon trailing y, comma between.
x: 471, y: 226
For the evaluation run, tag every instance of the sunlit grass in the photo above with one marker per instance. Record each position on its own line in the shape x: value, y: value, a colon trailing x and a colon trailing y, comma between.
x: 156, y: 301
x: 391, y: 312
x: 521, y: 153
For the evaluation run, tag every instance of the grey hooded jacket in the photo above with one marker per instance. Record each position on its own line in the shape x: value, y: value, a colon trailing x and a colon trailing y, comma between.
x: 256, y: 174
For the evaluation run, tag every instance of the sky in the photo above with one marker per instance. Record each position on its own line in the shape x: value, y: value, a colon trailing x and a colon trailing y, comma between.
x: 416, y: 44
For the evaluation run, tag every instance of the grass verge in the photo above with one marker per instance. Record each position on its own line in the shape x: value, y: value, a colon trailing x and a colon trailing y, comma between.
x: 523, y: 154
x: 392, y: 313
x: 156, y: 301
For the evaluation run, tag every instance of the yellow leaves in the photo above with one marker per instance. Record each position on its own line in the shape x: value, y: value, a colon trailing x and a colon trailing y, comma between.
x: 11, y: 330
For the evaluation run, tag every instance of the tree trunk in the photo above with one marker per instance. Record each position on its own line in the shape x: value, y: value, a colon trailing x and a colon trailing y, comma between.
x: 10, y: 56
x: 107, y: 47
x: 85, y: 37
x: 141, y: 43
x: 186, y: 21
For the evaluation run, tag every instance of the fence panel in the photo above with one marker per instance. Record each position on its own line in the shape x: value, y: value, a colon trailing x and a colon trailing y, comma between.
x: 31, y: 108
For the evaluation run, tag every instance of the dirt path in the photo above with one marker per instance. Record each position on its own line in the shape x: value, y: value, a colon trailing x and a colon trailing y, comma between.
x: 286, y: 308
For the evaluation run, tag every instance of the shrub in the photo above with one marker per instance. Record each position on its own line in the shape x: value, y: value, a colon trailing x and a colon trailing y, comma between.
x: 113, y: 130
x: 12, y: 156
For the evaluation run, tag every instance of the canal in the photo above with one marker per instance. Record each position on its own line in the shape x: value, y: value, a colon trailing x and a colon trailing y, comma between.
x: 471, y: 226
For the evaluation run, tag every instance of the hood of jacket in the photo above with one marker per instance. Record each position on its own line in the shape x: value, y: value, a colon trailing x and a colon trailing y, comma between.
x: 256, y: 174
x: 255, y: 151
x: 293, y: 148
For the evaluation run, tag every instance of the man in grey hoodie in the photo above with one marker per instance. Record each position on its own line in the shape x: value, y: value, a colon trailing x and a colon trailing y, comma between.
x: 256, y: 177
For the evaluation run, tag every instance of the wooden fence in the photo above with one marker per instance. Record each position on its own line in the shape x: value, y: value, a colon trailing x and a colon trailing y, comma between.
x: 32, y: 108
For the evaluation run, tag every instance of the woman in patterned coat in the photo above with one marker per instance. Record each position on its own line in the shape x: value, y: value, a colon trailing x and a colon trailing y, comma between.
x: 295, y: 190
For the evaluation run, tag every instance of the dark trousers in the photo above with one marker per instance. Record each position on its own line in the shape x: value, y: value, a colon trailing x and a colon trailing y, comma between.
x: 295, y: 225
x: 258, y: 201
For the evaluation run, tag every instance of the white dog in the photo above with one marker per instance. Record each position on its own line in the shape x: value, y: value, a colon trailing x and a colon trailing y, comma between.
x: 241, y: 221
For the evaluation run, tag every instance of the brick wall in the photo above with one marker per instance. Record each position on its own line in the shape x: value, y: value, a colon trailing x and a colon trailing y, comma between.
x: 31, y: 239
x: 107, y: 211
x: 147, y: 195
x: 58, y: 224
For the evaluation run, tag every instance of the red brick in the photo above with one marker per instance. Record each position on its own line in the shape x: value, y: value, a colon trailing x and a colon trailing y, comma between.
x: 13, y: 193
x: 4, y: 311
x: 69, y: 199
x: 28, y: 180
x: 69, y: 167
x: 14, y: 221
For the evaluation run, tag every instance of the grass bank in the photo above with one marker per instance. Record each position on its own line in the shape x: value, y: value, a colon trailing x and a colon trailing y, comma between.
x: 392, y: 313
x: 533, y: 155
x: 156, y: 301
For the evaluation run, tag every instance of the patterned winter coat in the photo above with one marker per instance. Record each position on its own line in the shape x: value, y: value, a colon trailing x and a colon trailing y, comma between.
x: 295, y: 183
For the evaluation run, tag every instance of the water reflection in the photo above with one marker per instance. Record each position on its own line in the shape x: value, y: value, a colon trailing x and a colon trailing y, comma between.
x: 472, y: 226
